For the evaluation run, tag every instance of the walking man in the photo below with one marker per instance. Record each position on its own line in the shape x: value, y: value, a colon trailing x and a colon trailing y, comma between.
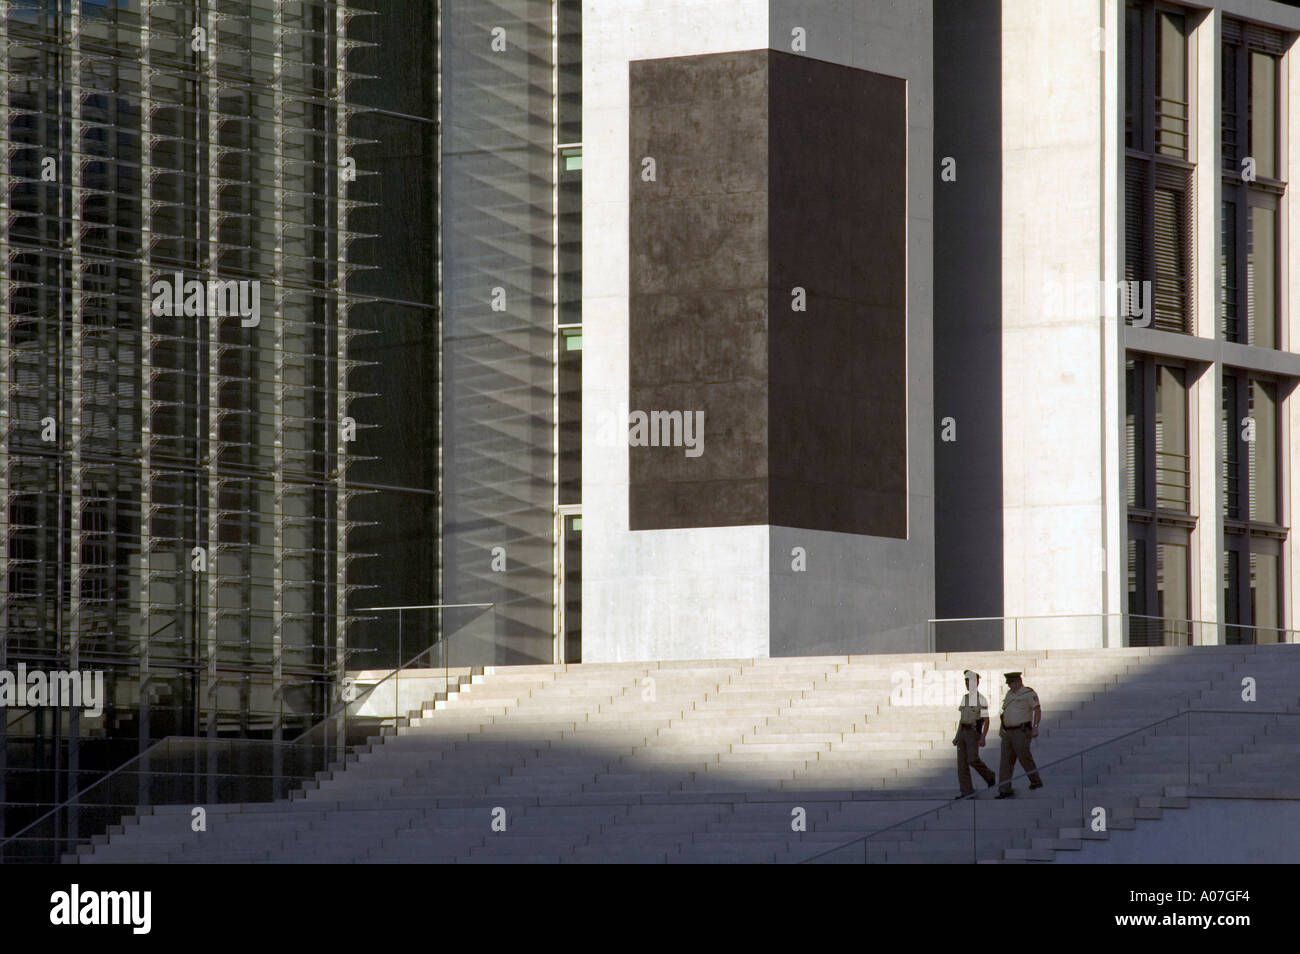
x: 972, y: 734
x: 1021, y: 714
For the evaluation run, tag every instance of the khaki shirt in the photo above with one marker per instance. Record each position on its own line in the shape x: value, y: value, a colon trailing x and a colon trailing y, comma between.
x: 1018, y: 706
x: 971, y: 714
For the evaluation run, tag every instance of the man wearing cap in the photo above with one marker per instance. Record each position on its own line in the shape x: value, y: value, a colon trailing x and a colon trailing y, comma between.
x: 1021, y: 714
x: 972, y: 734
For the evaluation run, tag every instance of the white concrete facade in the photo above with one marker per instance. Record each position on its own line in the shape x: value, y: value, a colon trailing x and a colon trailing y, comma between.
x: 1065, y: 506
x: 1059, y: 451
x: 727, y: 592
x: 655, y: 594
x: 1065, y: 521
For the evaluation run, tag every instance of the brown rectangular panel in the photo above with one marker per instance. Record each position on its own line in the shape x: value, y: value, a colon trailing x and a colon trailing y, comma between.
x: 698, y: 300
x: 770, y: 171
x: 837, y: 219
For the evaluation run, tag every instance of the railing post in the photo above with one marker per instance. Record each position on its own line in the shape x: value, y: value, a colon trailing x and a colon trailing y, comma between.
x: 142, y: 786
x: 397, y: 677
x: 1083, y: 799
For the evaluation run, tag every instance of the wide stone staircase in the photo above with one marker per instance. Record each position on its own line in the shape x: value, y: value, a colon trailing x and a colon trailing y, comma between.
x: 764, y: 760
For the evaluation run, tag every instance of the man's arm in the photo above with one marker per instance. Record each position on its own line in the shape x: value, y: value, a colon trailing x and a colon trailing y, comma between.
x: 984, y: 730
x: 1038, y: 717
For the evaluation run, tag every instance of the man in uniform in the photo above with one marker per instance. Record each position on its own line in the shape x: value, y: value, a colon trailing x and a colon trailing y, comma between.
x: 972, y: 735
x: 1021, y: 714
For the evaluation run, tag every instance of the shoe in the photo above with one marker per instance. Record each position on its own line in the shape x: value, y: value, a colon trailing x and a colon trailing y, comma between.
x: 992, y: 783
x: 1011, y: 794
x: 1034, y: 785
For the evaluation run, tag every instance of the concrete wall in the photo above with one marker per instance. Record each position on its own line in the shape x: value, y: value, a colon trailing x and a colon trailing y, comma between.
x: 652, y: 594
x: 1061, y: 395
x: 865, y: 594
x: 701, y: 592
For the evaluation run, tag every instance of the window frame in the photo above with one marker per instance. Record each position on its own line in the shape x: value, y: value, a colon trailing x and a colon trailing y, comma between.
x: 1150, y: 169
x: 1149, y: 525
x: 1239, y: 469
x: 1246, y: 40
x: 1146, y: 370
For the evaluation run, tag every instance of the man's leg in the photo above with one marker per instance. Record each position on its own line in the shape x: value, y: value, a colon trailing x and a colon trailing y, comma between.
x: 1007, y: 764
x: 1021, y: 743
x: 977, y: 763
x: 963, y: 770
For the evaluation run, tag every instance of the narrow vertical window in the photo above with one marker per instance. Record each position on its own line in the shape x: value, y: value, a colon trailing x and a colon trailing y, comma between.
x: 1158, y: 173
x: 1261, y: 276
x: 1171, y: 86
x: 1171, y: 260
x: 1231, y: 435
x: 1251, y: 138
x: 1232, y: 613
x: 1135, y: 436
x: 1173, y: 595
x: 1229, y: 120
x: 1262, y: 451
x: 570, y: 415
x: 1265, y: 597
x: 573, y: 588
x: 1263, y: 114
x: 1230, y: 325
x: 1133, y: 68
x: 1172, y: 463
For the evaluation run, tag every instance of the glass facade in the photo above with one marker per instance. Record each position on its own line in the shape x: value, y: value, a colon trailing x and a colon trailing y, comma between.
x: 395, y: 463
x: 499, y: 187
x: 1161, y: 416
x: 177, y: 372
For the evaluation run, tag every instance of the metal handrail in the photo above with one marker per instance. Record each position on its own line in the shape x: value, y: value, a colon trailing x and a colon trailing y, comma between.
x: 30, y: 712
x: 1082, y: 752
x: 1163, y: 620
x: 135, y: 758
x: 395, y: 672
x: 190, y: 738
x: 385, y: 609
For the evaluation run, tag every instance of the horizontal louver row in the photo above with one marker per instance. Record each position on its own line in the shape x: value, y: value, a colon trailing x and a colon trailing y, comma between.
x: 1157, y: 238
x: 1262, y: 38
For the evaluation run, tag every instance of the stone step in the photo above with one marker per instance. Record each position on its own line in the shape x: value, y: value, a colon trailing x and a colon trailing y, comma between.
x: 584, y: 763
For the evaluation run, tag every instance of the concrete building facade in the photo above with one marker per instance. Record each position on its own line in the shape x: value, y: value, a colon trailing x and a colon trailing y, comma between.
x: 1145, y: 426
x: 1095, y: 326
x: 809, y: 508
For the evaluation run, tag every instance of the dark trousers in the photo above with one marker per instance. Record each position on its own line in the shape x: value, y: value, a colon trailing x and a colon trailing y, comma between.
x: 968, y: 757
x: 1015, y: 748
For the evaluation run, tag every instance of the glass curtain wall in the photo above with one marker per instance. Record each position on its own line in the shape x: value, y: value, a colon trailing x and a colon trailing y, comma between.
x: 173, y: 471
x: 497, y: 160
